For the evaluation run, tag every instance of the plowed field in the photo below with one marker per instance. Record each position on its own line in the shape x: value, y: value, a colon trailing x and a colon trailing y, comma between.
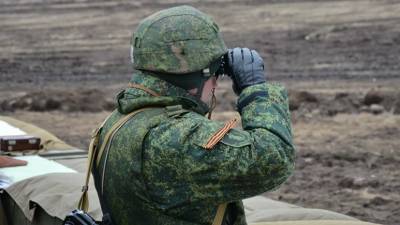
x: 63, y: 61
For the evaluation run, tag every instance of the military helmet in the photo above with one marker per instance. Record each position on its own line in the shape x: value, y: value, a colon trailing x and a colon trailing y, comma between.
x: 178, y: 40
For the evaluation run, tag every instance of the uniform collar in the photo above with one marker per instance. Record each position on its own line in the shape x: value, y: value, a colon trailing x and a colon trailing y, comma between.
x: 133, y: 98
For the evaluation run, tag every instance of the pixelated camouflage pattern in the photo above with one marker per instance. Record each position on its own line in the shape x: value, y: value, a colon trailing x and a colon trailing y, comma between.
x: 177, y: 40
x: 157, y: 171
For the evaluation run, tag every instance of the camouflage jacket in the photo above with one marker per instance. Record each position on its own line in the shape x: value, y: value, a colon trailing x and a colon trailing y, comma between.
x: 156, y: 170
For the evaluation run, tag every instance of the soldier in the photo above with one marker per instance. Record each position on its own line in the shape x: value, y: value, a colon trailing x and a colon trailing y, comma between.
x: 161, y: 161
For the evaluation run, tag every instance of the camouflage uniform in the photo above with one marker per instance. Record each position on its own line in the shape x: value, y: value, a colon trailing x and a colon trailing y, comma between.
x: 157, y: 170
x: 170, y: 173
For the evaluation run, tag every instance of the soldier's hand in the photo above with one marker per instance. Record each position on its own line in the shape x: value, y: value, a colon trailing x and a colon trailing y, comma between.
x: 246, y: 68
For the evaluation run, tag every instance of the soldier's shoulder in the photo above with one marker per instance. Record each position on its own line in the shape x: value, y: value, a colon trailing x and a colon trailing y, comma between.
x: 189, y: 124
x: 212, y: 133
x: 195, y: 129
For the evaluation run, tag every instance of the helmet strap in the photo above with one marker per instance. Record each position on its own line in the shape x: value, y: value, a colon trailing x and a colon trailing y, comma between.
x: 213, y: 103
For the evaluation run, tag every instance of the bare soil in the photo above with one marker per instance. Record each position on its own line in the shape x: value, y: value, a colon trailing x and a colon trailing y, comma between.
x: 63, y: 61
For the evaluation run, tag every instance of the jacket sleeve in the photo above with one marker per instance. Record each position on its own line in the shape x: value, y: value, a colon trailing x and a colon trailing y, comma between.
x: 246, y: 162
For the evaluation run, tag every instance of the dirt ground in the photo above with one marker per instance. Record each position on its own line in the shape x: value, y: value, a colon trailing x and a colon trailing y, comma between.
x: 63, y: 61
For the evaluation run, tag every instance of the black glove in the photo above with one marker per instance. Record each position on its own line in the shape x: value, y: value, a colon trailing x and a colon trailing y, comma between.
x: 246, y: 68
